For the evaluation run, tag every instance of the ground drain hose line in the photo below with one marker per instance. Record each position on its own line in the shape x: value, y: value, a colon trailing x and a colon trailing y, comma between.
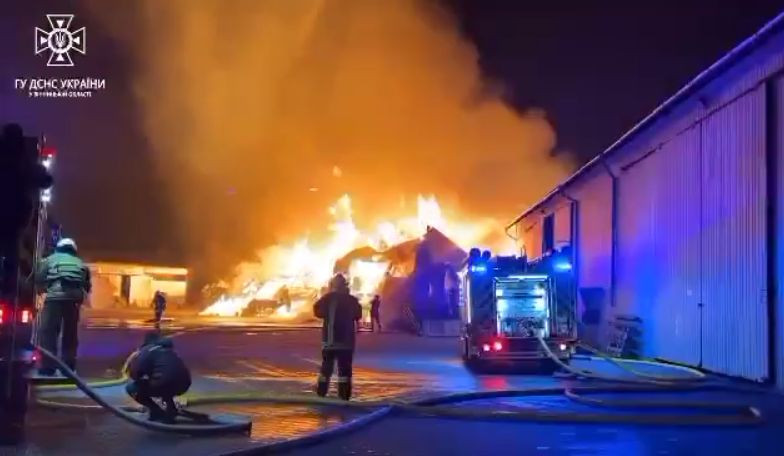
x: 97, y: 384
x: 205, y: 429
x: 697, y: 376
x: 123, y: 379
x: 437, y: 407
x: 639, y: 379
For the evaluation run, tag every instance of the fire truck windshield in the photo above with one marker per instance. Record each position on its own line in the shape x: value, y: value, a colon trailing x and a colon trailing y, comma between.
x: 522, y: 307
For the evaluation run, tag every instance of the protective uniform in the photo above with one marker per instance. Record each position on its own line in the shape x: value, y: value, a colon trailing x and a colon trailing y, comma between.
x: 375, y: 315
x: 156, y: 371
x: 159, y: 305
x: 66, y: 281
x: 340, y: 312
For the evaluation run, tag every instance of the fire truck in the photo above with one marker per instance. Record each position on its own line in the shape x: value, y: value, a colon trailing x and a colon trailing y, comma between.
x: 18, y: 305
x: 507, y: 305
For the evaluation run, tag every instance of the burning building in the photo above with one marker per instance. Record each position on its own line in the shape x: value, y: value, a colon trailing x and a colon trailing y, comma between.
x: 410, y: 262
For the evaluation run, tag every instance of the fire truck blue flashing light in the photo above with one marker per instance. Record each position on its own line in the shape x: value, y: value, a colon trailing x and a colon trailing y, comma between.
x: 562, y: 266
x: 479, y: 268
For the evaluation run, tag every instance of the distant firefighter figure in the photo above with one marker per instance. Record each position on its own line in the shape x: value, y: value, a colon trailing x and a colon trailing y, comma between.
x: 340, y: 311
x: 159, y: 306
x: 375, y: 314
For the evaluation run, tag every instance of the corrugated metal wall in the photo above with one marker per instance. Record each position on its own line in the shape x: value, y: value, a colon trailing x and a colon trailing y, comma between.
x: 691, y: 243
x: 734, y: 262
x: 658, y: 265
x: 663, y: 250
x: 676, y: 332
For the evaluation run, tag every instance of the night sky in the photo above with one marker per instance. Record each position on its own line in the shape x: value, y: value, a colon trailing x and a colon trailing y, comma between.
x: 598, y: 67
x: 594, y: 67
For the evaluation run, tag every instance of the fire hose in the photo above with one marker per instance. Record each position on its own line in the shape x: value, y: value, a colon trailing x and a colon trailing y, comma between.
x: 731, y: 414
x: 125, y: 414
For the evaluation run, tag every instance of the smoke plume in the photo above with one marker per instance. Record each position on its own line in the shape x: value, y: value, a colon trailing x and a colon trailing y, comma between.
x: 262, y: 112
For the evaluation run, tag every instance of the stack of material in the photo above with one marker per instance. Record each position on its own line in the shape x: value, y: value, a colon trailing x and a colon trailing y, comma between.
x: 420, y: 280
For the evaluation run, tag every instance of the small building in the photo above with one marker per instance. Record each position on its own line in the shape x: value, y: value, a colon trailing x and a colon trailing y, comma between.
x: 679, y: 223
x: 133, y: 285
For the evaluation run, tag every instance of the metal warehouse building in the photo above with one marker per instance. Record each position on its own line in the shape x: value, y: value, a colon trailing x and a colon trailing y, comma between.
x: 681, y: 221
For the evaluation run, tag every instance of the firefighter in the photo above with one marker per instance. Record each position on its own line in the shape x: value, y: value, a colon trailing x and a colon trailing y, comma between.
x: 159, y: 306
x: 66, y: 281
x: 156, y: 371
x: 340, y: 312
x: 375, y: 319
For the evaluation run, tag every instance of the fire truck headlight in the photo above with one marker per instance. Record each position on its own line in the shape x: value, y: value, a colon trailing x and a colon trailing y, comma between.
x: 498, y: 346
x: 562, y: 347
x: 486, y: 347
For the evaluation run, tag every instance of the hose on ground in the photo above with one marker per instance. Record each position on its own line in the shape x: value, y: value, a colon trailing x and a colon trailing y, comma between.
x: 123, y: 379
x: 205, y: 429
x: 639, y: 378
x: 696, y: 376
x: 732, y: 414
x: 741, y: 414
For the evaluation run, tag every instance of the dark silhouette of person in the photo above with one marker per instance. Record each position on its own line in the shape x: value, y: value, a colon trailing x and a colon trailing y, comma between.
x: 156, y: 371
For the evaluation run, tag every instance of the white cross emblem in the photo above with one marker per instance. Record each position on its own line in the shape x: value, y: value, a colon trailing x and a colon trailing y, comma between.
x: 59, y: 40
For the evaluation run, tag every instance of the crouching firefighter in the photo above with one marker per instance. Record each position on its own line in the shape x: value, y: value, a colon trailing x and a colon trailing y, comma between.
x: 66, y: 281
x: 157, y: 372
x: 340, y: 312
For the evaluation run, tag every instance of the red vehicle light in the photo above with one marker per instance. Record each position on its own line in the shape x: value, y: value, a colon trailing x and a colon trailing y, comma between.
x: 498, y: 346
x: 2, y: 310
x: 26, y: 316
x: 485, y: 347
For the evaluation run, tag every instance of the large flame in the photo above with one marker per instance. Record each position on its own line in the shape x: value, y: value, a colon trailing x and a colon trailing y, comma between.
x: 305, y: 267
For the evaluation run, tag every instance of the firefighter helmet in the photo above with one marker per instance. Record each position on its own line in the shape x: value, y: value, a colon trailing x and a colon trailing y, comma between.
x: 65, y: 243
x: 338, y: 283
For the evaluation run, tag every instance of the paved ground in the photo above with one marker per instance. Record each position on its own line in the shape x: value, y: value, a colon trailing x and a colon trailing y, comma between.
x: 258, y: 358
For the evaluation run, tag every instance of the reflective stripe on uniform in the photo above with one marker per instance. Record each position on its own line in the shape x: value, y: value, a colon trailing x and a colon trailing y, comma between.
x: 333, y: 305
x: 344, y: 379
x: 322, y: 379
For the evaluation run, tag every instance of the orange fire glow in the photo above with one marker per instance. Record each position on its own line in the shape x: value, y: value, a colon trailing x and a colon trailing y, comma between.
x: 305, y: 267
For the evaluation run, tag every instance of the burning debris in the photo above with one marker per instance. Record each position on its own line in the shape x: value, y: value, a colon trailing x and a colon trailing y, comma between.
x: 368, y: 258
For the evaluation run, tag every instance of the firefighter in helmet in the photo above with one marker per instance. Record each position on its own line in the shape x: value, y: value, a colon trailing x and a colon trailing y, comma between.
x: 156, y: 371
x: 340, y: 312
x: 159, y: 306
x: 66, y: 281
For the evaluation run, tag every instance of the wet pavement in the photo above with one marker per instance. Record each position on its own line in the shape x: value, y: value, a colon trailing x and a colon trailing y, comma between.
x: 258, y: 358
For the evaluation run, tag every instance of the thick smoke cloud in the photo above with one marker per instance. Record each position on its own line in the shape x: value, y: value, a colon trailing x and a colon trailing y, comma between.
x: 250, y: 105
